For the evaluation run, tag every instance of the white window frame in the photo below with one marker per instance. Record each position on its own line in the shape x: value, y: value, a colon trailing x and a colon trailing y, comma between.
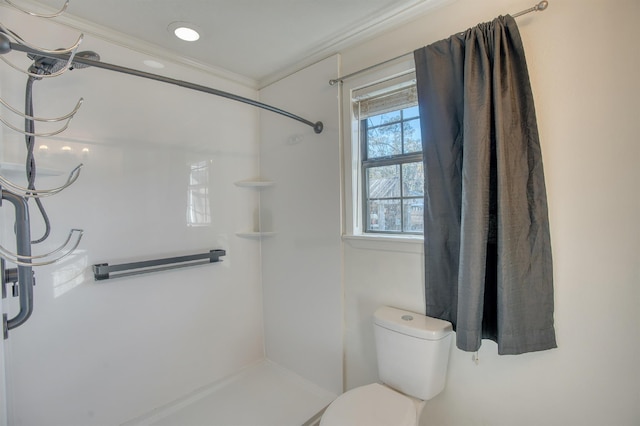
x: 352, y: 158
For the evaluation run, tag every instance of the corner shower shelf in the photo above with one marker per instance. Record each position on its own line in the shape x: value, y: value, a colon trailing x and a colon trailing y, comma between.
x: 255, y: 184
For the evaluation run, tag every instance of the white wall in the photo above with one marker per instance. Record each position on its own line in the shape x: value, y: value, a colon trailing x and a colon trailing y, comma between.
x: 583, y: 59
x: 301, y: 266
x: 103, y: 353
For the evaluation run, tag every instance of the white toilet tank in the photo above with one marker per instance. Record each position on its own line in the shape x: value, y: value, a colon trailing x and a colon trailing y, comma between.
x: 413, y: 351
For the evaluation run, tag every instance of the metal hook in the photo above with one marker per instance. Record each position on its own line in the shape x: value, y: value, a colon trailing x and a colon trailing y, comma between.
x: 7, y: 34
x: 23, y: 42
x: 40, y: 15
x: 34, y: 75
x: 67, y: 117
x: 39, y: 193
x: 18, y: 259
x: 47, y: 120
x: 42, y: 135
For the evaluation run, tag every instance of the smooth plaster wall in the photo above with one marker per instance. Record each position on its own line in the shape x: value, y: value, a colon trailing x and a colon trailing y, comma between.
x: 583, y: 59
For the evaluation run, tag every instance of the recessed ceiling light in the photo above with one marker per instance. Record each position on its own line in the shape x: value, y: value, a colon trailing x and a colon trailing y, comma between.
x: 184, y: 31
x: 186, y: 34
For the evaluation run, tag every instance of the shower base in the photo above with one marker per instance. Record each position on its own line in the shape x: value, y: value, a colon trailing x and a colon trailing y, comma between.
x: 264, y: 394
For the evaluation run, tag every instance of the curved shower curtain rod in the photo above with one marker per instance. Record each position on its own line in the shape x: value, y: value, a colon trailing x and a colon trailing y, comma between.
x: 6, y: 45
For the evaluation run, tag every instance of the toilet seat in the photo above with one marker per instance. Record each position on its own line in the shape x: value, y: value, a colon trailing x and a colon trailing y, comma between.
x: 371, y: 405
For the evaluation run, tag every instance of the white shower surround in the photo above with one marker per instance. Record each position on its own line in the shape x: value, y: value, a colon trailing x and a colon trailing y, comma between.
x: 97, y: 353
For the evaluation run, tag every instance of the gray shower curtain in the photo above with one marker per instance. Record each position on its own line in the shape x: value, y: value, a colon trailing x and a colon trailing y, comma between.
x: 487, y: 248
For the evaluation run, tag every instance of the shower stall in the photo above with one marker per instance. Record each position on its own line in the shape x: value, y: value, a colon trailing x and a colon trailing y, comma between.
x: 169, y: 172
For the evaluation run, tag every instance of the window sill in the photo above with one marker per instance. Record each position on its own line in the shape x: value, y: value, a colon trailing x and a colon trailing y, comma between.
x: 396, y: 243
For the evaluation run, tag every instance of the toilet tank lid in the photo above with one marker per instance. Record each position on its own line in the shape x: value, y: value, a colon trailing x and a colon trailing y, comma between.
x: 411, y: 323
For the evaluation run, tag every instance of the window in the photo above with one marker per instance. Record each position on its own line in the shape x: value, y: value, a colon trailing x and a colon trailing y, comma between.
x: 391, y: 169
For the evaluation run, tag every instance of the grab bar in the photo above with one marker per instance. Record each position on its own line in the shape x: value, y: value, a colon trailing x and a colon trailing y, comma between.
x: 103, y: 271
x: 25, y: 273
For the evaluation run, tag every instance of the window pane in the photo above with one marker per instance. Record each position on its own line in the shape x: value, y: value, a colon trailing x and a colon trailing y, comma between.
x: 412, y: 180
x: 410, y: 112
x: 412, y: 136
x: 379, y: 120
x: 383, y: 182
x: 384, y: 141
x: 384, y: 215
x: 414, y: 215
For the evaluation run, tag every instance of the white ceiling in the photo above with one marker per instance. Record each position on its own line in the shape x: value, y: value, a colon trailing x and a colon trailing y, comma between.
x: 261, y: 40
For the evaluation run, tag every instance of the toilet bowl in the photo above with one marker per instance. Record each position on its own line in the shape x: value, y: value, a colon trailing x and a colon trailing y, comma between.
x: 413, y: 354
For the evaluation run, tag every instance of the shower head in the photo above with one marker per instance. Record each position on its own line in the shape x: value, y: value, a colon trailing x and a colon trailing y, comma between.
x: 45, y: 65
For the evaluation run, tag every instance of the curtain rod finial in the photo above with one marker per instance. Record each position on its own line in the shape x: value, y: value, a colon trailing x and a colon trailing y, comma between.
x: 5, y: 44
x: 318, y: 127
x: 542, y: 5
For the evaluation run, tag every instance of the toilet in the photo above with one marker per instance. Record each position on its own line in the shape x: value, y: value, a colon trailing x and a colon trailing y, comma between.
x: 413, y: 353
